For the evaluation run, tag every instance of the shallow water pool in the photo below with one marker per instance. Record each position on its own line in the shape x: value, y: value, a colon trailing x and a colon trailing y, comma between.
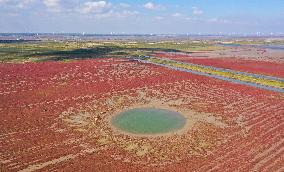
x: 147, y: 121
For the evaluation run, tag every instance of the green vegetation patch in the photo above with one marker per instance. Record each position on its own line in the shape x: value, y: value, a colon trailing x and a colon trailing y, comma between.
x: 38, y: 51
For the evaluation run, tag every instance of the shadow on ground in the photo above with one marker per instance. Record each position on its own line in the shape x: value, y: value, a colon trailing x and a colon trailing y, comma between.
x: 98, y: 52
x: 17, y: 41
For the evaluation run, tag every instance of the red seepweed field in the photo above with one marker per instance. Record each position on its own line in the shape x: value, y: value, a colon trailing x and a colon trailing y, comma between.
x: 55, y: 117
x: 256, y: 66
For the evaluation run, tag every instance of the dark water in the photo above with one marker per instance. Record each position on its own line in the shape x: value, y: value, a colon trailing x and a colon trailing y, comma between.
x: 273, y: 47
x: 231, y: 45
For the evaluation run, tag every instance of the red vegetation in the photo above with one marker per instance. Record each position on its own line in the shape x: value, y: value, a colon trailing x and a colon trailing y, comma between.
x: 252, y: 66
x: 33, y: 95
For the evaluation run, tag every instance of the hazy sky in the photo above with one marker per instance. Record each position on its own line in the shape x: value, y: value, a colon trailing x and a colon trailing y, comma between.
x: 140, y: 16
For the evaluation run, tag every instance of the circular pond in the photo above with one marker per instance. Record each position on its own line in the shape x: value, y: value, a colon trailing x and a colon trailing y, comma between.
x: 148, y: 121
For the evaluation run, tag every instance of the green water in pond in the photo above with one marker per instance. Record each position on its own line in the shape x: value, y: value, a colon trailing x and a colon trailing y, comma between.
x: 148, y: 121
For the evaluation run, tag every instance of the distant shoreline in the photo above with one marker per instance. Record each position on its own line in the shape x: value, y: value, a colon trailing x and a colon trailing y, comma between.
x: 148, y: 37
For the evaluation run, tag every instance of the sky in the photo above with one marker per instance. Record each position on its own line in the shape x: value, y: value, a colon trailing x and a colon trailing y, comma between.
x: 142, y: 16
